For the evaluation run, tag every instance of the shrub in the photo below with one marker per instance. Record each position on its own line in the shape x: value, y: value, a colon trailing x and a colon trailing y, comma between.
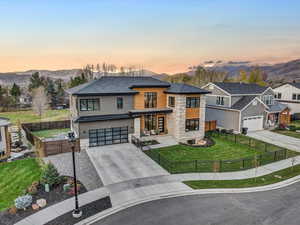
x: 50, y: 175
x: 23, y: 202
x: 282, y: 126
x: 12, y: 210
x: 293, y: 128
x: 32, y: 189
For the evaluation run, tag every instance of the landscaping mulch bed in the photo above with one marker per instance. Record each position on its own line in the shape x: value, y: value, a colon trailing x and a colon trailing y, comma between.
x: 55, y: 195
x: 87, y: 211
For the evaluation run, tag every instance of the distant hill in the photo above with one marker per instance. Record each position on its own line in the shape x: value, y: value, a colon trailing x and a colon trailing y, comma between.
x: 288, y: 70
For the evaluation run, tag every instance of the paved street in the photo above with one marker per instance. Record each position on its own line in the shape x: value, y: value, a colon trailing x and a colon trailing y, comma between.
x: 278, y: 207
x: 276, y: 139
x: 122, y: 162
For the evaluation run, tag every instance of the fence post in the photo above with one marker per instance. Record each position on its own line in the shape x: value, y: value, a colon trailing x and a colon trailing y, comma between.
x: 275, y: 155
x: 158, y: 158
x: 243, y: 163
x: 196, y: 165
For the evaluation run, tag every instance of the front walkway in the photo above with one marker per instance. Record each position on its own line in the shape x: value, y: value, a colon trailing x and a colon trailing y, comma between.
x: 122, y: 162
x: 276, y: 139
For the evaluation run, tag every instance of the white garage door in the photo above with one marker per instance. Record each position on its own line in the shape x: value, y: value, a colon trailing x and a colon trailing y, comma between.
x: 253, y: 123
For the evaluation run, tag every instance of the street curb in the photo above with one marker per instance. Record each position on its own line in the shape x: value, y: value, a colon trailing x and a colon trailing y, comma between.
x: 166, y: 195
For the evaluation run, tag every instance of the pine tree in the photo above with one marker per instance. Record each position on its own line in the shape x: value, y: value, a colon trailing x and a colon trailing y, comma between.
x: 50, y: 175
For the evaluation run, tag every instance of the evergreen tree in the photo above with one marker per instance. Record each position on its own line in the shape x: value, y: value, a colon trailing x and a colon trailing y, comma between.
x: 50, y: 175
x: 35, y: 81
x: 15, y: 92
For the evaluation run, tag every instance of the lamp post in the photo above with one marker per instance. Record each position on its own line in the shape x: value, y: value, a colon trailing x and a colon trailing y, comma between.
x: 76, y: 212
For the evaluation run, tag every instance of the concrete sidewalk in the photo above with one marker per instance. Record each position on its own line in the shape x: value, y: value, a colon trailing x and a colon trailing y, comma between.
x: 126, y: 193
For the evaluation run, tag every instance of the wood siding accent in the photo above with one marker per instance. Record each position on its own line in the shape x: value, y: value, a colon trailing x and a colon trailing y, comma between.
x: 192, y: 113
x: 285, y: 117
x: 139, y: 99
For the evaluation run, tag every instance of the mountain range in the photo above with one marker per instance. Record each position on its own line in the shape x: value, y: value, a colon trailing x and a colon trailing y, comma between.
x: 289, y: 71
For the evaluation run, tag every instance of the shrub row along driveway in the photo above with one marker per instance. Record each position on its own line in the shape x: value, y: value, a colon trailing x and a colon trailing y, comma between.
x: 277, y: 139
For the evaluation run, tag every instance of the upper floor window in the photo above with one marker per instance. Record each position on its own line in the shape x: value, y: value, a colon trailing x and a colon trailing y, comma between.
x: 296, y: 97
x: 193, y: 102
x: 192, y: 124
x: 150, y: 99
x: 92, y: 104
x: 220, y: 100
x: 171, y: 102
x: 119, y: 103
x: 268, y: 99
x: 277, y: 95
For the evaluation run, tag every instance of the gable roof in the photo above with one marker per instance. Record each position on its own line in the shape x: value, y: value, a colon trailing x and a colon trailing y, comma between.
x: 114, y: 85
x: 296, y: 85
x: 178, y: 88
x: 243, y: 102
x: 241, y: 88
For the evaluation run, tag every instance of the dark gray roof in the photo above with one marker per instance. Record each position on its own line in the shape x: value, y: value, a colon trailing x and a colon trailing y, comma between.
x: 241, y: 88
x: 296, y: 85
x: 177, y: 88
x: 277, y: 107
x: 103, y: 117
x: 108, y: 85
x: 240, y: 104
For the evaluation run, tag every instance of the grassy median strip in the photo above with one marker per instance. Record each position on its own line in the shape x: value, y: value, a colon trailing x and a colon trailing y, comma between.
x: 272, y: 178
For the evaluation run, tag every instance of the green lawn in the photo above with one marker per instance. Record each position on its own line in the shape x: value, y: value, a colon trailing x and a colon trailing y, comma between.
x: 50, y: 133
x: 29, y: 116
x: 295, y: 123
x: 259, y: 181
x: 15, y: 177
x: 222, y: 150
x: 288, y: 133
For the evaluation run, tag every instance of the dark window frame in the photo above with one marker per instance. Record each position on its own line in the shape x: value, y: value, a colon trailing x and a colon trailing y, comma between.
x: 150, y: 122
x: 106, y: 136
x: 278, y: 95
x: 120, y: 103
x: 220, y: 100
x: 294, y: 97
x: 89, y: 104
x: 171, y: 101
x: 192, y: 102
x: 192, y: 125
x: 150, y: 99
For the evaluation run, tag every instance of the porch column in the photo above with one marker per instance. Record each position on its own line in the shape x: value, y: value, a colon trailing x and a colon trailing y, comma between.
x: 137, y: 127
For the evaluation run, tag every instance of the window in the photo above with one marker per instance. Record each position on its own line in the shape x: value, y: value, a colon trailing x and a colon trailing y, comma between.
x: 220, y: 100
x: 298, y: 97
x: 150, y: 122
x: 268, y: 99
x: 171, y: 101
x: 193, y: 102
x: 192, y: 124
x: 278, y: 95
x: 119, y: 102
x: 150, y: 99
x: 92, y: 104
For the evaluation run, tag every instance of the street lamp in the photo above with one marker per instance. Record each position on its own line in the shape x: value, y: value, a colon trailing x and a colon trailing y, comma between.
x: 72, y: 139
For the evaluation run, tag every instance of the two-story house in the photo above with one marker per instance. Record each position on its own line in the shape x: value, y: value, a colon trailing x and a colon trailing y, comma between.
x: 238, y: 105
x: 110, y: 109
x: 289, y: 94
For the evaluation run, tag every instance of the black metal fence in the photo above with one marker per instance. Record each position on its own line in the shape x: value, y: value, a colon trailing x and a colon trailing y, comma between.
x: 268, y: 153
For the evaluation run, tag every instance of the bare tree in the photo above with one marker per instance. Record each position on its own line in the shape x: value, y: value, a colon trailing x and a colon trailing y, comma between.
x: 40, y: 102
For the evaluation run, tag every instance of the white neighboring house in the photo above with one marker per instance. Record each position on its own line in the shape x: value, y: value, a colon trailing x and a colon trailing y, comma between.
x: 289, y: 94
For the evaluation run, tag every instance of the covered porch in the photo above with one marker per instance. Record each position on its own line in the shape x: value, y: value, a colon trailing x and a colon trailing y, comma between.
x: 275, y: 118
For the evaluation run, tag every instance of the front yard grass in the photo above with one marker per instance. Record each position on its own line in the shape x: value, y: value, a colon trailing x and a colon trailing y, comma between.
x: 288, y: 133
x: 28, y: 116
x: 222, y: 150
x: 272, y: 178
x: 50, y: 133
x: 15, y: 177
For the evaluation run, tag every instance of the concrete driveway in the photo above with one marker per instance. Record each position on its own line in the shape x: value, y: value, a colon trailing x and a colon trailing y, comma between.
x: 123, y: 162
x: 276, y: 139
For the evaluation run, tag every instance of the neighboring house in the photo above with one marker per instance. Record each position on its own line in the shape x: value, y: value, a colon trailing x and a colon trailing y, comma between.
x: 111, y: 109
x: 5, y: 146
x: 238, y: 105
x: 289, y: 94
x: 25, y: 99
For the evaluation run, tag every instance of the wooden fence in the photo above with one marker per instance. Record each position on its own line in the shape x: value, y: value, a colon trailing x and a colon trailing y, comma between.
x: 47, y: 147
x: 210, y: 125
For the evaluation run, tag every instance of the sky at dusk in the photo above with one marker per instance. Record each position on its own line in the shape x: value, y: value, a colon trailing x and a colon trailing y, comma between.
x: 163, y: 36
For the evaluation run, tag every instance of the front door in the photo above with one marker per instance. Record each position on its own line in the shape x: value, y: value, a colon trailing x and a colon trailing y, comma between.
x: 161, y: 124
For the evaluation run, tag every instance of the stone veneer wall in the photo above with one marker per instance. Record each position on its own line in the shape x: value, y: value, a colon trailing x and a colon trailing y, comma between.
x: 178, y: 118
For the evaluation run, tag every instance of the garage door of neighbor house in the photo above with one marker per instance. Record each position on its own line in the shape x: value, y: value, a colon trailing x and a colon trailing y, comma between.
x: 253, y: 123
x: 108, y: 136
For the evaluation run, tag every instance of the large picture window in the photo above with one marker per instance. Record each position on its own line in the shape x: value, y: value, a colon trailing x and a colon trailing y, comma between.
x: 150, y: 99
x: 150, y: 122
x: 171, y: 102
x: 268, y: 99
x: 192, y: 124
x: 92, y: 104
x: 192, y: 102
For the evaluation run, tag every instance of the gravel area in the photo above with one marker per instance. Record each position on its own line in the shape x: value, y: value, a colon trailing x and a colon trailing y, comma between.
x: 86, y: 172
